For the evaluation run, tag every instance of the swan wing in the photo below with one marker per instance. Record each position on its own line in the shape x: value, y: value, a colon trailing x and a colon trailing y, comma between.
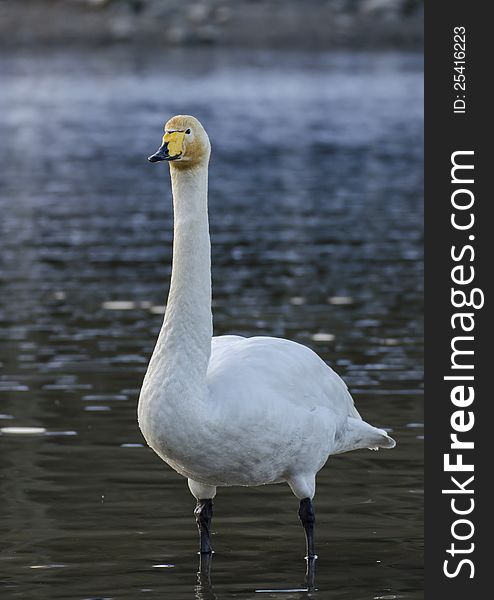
x: 278, y: 409
x: 269, y: 369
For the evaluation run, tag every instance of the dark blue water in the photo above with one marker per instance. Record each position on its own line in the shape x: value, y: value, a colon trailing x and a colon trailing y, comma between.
x: 316, y: 224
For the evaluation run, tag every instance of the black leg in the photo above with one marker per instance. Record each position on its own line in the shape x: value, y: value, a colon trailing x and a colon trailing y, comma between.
x: 306, y: 514
x: 203, y: 513
x: 204, y: 588
x: 310, y: 574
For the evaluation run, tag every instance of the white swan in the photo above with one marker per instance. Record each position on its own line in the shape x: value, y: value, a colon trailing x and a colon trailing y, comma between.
x: 230, y: 410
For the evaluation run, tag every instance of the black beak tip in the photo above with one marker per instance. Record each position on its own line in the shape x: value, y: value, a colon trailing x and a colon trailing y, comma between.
x: 160, y: 154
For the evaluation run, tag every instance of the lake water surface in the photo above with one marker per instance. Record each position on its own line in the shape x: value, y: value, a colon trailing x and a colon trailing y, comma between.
x: 316, y: 224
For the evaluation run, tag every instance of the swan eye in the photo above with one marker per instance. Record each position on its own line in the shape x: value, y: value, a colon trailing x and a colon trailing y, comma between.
x: 187, y: 131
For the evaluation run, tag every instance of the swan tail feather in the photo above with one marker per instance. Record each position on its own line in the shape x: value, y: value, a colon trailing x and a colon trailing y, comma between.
x: 360, y: 434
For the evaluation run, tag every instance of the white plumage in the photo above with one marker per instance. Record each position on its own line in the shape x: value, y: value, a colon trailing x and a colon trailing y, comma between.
x: 231, y: 410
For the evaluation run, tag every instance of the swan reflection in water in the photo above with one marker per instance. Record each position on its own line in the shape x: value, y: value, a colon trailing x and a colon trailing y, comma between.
x: 204, y: 588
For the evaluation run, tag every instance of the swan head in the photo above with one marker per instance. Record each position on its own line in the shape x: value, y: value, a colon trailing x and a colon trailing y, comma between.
x: 185, y: 143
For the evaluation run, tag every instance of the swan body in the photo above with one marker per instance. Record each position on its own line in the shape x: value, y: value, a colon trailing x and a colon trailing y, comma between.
x: 230, y: 410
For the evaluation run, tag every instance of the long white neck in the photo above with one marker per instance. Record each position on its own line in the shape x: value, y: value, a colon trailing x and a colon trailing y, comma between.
x: 183, y: 348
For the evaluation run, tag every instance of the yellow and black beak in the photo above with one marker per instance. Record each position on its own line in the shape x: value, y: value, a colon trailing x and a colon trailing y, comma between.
x: 172, y: 147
